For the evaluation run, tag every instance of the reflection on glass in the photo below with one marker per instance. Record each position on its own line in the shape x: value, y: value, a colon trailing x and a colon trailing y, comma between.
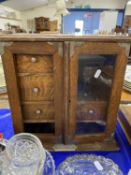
x: 95, y: 74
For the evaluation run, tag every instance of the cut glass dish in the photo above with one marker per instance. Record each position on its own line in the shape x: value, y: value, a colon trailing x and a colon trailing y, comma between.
x: 85, y: 164
x: 49, y: 165
x: 24, y: 154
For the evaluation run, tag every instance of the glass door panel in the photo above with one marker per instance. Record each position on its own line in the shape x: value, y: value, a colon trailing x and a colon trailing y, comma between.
x: 95, y: 75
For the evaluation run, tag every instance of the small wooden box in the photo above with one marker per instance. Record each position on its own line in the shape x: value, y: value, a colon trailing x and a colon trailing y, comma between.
x: 42, y: 24
x: 53, y: 25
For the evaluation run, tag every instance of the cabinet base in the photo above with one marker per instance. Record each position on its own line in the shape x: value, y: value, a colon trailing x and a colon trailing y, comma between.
x: 109, y: 145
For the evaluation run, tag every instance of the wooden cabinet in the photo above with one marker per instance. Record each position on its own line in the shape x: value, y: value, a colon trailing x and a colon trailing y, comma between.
x: 65, y: 92
x: 42, y: 24
x: 127, y: 22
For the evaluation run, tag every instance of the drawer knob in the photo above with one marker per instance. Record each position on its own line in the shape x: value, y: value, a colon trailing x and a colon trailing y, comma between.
x: 33, y: 60
x: 91, y: 111
x: 38, y: 111
x: 35, y: 90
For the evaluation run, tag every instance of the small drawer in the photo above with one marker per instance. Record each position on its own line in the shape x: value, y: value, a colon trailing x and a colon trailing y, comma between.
x: 40, y: 112
x: 92, y: 111
x: 34, y: 63
x: 36, y: 87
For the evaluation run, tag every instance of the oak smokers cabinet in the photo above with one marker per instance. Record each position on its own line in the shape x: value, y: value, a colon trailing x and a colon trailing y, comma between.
x: 65, y: 92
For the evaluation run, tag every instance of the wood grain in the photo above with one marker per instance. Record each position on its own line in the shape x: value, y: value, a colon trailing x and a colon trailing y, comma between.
x: 66, y: 91
x: 91, y: 111
x: 117, y: 85
x: 58, y: 91
x: 13, y: 93
x: 44, y: 84
x: 64, y: 37
x: 41, y: 64
x: 38, y: 112
x: 45, y: 75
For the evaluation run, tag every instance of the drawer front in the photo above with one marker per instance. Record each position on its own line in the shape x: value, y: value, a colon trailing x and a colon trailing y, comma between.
x: 36, y: 87
x: 39, y: 112
x: 92, y: 112
x: 34, y: 63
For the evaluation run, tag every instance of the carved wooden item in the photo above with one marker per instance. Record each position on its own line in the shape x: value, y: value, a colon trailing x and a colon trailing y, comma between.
x: 42, y: 24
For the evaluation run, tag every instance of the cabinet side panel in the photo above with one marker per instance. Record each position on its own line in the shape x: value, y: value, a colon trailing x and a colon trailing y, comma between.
x: 11, y: 81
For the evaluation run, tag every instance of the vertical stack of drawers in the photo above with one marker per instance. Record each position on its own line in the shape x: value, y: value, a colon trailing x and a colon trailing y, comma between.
x: 36, y: 85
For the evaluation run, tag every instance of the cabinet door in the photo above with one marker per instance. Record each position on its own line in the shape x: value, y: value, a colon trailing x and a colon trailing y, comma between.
x: 96, y: 76
x: 34, y: 79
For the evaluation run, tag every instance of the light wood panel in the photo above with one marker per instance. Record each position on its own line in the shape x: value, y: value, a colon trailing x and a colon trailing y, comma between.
x: 34, y: 63
x: 39, y: 112
x: 36, y: 87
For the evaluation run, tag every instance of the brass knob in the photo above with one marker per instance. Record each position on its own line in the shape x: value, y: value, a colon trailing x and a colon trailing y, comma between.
x: 33, y: 60
x: 91, y: 111
x: 38, y: 111
x: 35, y: 89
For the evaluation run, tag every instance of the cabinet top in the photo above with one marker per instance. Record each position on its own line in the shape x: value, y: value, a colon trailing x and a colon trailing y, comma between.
x: 64, y: 37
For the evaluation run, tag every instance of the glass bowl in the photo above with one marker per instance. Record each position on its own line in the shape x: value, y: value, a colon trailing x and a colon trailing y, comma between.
x: 49, y: 165
x: 85, y: 164
x: 25, y: 155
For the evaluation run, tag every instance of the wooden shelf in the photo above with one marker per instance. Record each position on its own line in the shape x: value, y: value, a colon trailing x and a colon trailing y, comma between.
x: 38, y: 121
x: 14, y: 19
x: 125, y: 97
